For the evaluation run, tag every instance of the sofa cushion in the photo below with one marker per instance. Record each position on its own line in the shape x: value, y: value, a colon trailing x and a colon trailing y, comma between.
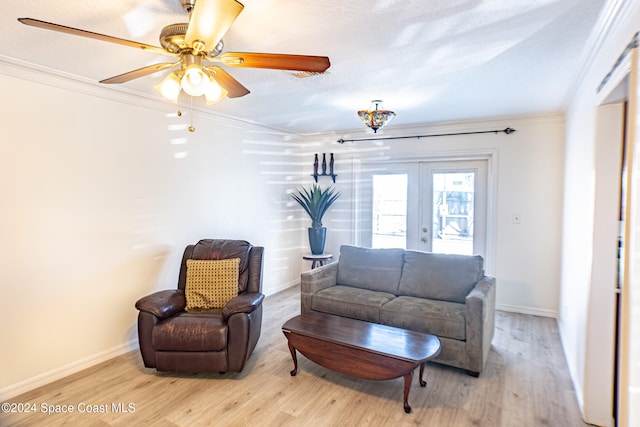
x: 441, y: 277
x: 441, y: 318
x: 351, y: 302
x: 373, y: 269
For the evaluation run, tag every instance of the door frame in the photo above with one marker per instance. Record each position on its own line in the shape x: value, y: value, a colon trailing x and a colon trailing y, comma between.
x: 605, y: 397
x: 488, y: 154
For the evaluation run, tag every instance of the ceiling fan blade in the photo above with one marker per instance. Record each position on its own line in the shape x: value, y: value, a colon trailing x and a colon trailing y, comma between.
x: 210, y: 20
x: 276, y: 61
x: 224, y: 79
x: 83, y: 33
x: 140, y: 72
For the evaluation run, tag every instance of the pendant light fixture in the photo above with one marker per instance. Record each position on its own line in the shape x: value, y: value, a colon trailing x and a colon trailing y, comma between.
x: 376, y: 116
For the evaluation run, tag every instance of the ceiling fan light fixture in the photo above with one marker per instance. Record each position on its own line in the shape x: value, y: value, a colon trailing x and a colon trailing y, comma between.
x: 214, y: 93
x: 194, y: 81
x: 169, y: 87
x: 193, y: 42
x: 376, y: 117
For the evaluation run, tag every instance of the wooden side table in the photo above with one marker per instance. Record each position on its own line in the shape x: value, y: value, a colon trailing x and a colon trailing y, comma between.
x: 317, y: 260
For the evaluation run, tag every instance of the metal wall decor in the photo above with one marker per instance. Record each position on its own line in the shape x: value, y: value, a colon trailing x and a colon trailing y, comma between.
x: 316, y: 165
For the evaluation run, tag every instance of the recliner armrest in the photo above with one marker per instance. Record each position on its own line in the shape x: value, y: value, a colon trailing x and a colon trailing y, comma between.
x: 244, y: 303
x: 163, y: 304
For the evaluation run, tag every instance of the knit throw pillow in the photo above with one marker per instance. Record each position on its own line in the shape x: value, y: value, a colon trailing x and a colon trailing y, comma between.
x: 211, y: 283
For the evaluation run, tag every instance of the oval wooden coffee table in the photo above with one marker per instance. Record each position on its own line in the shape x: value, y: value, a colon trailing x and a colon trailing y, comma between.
x: 360, y: 349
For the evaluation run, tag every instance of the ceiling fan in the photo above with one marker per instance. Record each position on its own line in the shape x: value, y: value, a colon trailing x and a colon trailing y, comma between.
x: 197, y: 46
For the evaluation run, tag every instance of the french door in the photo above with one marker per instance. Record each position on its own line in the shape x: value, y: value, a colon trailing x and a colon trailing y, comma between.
x: 430, y: 206
x: 454, y: 203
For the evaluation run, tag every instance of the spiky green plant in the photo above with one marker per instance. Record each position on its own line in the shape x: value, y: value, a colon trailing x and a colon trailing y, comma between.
x: 316, y: 201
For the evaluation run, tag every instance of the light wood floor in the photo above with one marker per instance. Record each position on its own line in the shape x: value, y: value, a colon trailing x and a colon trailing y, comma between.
x: 525, y: 383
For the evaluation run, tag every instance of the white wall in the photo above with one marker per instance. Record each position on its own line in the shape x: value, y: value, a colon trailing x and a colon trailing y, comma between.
x: 528, y: 175
x: 101, y: 192
x: 580, y: 318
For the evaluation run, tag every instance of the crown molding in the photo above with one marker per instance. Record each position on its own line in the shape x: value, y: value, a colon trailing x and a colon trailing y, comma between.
x: 54, y: 78
x: 47, y: 76
x: 615, y: 14
x: 482, y: 124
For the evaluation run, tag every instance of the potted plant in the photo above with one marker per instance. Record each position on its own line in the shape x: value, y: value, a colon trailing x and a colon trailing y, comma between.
x: 316, y: 201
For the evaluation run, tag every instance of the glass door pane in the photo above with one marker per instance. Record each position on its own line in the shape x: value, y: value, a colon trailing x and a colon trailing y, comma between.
x: 389, y: 213
x: 454, y: 207
x: 453, y: 212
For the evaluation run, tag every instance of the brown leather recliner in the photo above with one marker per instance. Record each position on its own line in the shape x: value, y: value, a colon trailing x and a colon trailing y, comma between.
x: 217, y: 340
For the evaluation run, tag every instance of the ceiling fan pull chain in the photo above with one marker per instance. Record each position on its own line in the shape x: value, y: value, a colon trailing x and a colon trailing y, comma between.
x: 191, y: 128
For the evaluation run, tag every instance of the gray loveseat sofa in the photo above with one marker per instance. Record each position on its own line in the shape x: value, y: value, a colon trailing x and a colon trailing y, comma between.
x: 444, y: 295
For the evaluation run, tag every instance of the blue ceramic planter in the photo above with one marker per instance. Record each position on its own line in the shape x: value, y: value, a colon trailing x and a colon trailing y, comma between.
x: 317, y: 237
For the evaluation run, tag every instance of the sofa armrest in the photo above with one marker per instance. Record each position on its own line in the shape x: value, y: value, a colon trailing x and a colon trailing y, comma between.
x: 244, y: 303
x: 315, y: 280
x: 163, y: 304
x: 484, y: 290
x: 480, y: 315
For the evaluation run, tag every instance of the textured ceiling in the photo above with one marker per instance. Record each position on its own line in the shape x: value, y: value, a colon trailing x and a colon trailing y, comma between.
x: 429, y: 60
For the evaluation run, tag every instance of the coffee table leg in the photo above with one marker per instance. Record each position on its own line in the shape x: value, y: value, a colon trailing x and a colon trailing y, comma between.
x: 423, y: 383
x: 407, y: 387
x: 295, y: 359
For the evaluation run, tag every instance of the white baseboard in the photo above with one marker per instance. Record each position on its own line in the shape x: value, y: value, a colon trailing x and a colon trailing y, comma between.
x: 282, y: 287
x: 63, y: 371
x: 527, y: 310
x: 77, y: 366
